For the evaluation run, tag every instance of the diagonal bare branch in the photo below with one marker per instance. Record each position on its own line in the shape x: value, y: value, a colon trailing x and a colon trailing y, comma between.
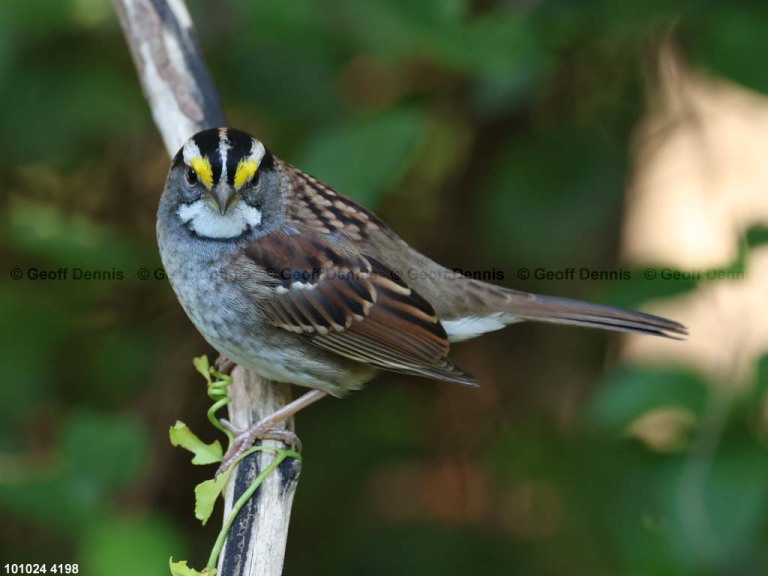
x: 183, y: 101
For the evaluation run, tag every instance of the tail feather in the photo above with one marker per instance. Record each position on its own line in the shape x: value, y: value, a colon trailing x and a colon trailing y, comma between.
x: 577, y: 313
x: 502, y: 307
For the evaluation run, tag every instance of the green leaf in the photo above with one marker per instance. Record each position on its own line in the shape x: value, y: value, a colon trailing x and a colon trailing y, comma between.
x: 400, y: 28
x: 650, y: 283
x: 715, y: 509
x: 757, y: 236
x: 128, y: 545
x: 728, y: 40
x: 632, y: 392
x: 97, y: 455
x: 181, y: 569
x: 181, y: 435
x: 202, y: 366
x: 760, y: 389
x: 106, y: 450
x: 206, y: 494
x: 72, y: 240
x: 537, y: 216
x: 499, y: 44
x: 33, y: 329
x: 365, y: 157
x: 55, y: 500
x: 119, y: 369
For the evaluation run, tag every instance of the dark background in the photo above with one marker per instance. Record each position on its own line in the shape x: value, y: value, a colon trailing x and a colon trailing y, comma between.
x: 491, y: 136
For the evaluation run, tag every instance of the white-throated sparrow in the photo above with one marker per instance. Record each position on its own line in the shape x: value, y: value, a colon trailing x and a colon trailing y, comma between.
x: 295, y: 281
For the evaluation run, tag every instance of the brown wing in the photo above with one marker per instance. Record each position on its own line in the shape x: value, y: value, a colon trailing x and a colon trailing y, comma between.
x: 325, y: 210
x: 352, y: 305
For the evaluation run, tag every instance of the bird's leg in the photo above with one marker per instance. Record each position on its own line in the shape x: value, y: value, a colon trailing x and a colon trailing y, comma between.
x: 265, y: 428
x: 224, y: 365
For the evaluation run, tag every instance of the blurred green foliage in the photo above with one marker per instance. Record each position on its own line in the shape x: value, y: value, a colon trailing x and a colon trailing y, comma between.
x: 489, y: 134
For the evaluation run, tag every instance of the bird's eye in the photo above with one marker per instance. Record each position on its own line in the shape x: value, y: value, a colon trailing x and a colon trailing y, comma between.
x: 191, y: 176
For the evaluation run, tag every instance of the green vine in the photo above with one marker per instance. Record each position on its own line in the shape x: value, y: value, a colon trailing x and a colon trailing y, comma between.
x: 207, y: 492
x: 217, y: 391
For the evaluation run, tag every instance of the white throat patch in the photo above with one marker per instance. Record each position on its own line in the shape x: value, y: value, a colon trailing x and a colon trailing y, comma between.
x: 207, y: 222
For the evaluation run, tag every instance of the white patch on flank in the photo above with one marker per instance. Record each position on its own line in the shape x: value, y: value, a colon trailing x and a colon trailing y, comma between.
x: 473, y: 326
x: 224, y: 145
x: 209, y: 223
x: 190, y: 151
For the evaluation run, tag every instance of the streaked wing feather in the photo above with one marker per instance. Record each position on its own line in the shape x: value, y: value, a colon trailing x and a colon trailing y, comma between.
x: 353, y: 306
x: 363, y: 349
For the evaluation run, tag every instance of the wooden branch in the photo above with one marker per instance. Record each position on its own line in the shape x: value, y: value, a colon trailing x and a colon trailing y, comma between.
x: 183, y: 101
x: 256, y: 542
x: 171, y: 68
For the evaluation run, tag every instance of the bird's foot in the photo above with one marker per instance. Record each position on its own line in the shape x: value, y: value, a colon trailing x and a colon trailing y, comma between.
x: 245, y: 438
x: 224, y: 365
x: 266, y: 429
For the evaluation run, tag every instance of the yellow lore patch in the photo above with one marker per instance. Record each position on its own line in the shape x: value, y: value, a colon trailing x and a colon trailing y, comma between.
x: 245, y: 171
x: 204, y: 171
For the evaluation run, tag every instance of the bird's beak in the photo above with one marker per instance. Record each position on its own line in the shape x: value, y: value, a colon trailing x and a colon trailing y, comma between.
x: 224, y: 195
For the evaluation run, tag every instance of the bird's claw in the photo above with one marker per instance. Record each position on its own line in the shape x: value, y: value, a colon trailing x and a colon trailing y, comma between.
x: 224, y: 365
x: 244, y: 439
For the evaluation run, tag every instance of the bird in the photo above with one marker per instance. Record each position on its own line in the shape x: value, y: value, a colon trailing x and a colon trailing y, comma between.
x: 290, y: 278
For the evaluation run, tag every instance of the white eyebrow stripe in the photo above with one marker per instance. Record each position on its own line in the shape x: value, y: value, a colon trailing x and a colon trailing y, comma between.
x: 224, y: 146
x: 257, y: 151
x: 190, y: 151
